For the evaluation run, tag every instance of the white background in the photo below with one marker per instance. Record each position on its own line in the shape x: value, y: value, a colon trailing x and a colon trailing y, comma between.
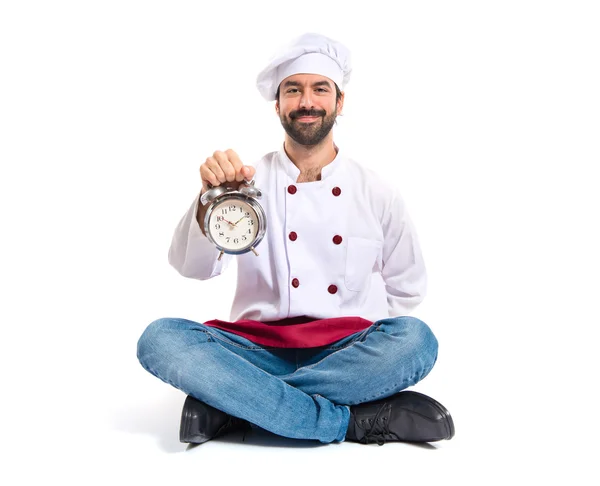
x: 486, y: 114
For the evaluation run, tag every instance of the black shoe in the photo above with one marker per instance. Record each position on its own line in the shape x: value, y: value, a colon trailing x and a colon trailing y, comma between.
x: 407, y: 416
x: 201, y: 422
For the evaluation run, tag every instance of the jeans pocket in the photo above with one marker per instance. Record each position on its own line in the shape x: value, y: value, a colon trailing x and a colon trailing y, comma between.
x: 362, y: 255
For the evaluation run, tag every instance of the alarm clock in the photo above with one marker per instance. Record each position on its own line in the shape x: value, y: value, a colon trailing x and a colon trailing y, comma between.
x: 234, y: 222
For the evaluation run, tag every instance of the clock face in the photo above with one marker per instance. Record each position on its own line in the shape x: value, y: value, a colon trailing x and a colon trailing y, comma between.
x: 233, y: 224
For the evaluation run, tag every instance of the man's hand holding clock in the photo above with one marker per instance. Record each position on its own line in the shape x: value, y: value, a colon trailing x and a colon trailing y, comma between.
x: 224, y: 167
x: 228, y: 194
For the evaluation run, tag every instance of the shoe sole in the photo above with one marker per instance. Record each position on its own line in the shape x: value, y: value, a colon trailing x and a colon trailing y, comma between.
x: 442, y: 410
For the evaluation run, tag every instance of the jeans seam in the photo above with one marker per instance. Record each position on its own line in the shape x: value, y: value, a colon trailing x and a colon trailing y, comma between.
x: 224, y: 339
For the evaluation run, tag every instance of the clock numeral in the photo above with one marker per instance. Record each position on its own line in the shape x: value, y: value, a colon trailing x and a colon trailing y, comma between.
x: 244, y: 237
x: 221, y: 233
x: 228, y: 238
x: 250, y: 231
x: 231, y: 208
x: 236, y: 240
x: 251, y: 222
x: 220, y: 218
x: 247, y: 215
x: 217, y: 226
x: 223, y: 211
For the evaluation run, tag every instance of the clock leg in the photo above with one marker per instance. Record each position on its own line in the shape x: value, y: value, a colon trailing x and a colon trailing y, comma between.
x: 253, y: 250
x: 220, y: 255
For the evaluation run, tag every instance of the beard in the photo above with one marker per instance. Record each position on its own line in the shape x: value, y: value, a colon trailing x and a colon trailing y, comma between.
x: 308, y: 133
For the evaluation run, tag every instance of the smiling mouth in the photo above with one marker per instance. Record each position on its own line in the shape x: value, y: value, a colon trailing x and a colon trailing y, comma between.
x: 307, y: 119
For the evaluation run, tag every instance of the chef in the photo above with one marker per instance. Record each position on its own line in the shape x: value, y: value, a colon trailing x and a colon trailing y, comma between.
x: 319, y: 343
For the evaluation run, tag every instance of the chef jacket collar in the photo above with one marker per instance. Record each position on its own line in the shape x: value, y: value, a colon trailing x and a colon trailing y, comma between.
x: 293, y: 171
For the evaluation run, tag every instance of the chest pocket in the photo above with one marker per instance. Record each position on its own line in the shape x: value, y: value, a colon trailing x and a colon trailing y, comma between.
x: 361, y: 256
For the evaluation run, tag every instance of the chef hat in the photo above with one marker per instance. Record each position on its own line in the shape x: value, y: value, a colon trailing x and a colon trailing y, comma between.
x: 308, y: 54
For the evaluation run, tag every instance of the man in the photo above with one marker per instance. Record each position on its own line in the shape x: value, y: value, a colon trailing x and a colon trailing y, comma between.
x: 319, y: 344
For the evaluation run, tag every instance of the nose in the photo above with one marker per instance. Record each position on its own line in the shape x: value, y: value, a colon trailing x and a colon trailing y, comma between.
x: 306, y: 99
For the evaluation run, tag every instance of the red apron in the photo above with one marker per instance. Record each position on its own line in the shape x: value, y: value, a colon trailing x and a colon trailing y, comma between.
x: 295, y: 332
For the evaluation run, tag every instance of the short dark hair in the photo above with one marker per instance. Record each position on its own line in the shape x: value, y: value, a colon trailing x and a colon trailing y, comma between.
x: 338, y: 93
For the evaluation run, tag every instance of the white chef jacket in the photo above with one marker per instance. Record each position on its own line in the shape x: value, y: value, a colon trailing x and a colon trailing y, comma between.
x: 375, y: 270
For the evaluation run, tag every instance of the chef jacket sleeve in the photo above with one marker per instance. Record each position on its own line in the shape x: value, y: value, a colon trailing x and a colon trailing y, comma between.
x: 403, y: 269
x: 191, y: 253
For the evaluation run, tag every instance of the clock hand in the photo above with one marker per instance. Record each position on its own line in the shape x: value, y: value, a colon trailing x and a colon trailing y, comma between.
x: 238, y: 220
x: 232, y: 224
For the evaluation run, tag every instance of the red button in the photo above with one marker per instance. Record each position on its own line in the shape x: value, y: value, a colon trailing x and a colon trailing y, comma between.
x: 293, y: 236
x: 296, y: 282
x: 336, y: 191
x: 292, y: 189
x: 332, y: 289
x: 337, y: 239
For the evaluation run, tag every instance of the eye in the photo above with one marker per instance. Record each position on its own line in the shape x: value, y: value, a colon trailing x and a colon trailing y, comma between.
x: 292, y: 90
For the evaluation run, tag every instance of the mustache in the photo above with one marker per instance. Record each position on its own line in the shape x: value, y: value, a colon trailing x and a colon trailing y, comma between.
x: 298, y: 113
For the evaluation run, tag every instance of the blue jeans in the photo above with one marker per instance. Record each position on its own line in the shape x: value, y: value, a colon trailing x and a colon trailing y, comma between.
x: 296, y: 393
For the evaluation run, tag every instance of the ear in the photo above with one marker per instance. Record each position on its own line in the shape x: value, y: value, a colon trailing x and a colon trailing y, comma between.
x: 340, y: 103
x: 277, y: 107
